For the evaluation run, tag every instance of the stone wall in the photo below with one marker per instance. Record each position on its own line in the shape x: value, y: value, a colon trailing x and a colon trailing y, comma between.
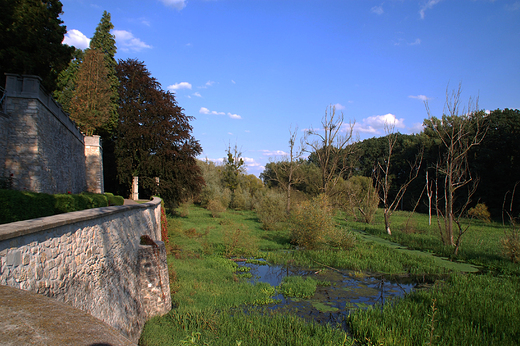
x: 93, y: 260
x: 94, y: 164
x: 43, y: 149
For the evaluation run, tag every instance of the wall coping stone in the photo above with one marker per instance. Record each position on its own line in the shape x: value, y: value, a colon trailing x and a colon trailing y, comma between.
x: 29, y: 87
x: 20, y: 228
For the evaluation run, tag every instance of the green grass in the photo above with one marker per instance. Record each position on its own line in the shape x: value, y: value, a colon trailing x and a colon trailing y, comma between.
x: 465, y: 310
x: 211, y: 294
x: 480, y: 245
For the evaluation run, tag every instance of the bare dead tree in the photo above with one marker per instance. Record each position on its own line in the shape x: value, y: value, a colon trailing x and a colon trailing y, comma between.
x: 332, y: 148
x: 286, y: 170
x: 383, y: 181
x: 429, y: 193
x: 458, y: 132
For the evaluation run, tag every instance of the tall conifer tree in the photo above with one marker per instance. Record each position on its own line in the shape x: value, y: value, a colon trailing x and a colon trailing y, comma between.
x: 105, y: 42
x: 91, y: 103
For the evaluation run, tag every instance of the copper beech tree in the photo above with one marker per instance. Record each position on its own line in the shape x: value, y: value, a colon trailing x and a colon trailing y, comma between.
x: 154, y: 137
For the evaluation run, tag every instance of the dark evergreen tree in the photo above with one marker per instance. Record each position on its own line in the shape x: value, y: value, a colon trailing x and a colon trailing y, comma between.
x: 31, y: 36
x: 66, y: 83
x: 154, y: 137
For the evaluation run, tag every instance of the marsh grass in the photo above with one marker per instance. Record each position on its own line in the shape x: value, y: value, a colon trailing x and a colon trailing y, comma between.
x: 298, y: 287
x: 211, y: 294
x: 465, y: 310
x: 236, y: 327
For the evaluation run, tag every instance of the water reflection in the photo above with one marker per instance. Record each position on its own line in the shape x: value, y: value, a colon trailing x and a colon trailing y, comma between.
x: 348, y: 290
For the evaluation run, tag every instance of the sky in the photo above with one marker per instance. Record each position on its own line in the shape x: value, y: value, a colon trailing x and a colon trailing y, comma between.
x: 250, y: 71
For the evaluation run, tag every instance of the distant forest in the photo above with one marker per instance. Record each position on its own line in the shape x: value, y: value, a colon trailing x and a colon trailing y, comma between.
x: 494, y: 163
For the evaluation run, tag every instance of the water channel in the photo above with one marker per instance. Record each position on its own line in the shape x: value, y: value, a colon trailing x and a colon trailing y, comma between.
x: 348, y: 290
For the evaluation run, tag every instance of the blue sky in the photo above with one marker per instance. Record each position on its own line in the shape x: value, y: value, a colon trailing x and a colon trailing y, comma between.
x: 249, y: 70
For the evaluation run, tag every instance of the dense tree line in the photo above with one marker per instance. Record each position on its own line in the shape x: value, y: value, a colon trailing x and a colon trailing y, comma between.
x: 494, y: 163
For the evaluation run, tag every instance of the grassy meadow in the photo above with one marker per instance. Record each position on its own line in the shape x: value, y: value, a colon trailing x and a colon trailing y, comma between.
x: 211, y: 293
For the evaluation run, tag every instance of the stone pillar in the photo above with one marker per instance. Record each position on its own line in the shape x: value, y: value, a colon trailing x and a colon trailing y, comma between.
x: 94, y: 164
x: 154, y: 283
x: 135, y: 189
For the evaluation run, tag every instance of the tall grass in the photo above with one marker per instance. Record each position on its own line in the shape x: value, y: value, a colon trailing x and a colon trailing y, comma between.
x: 211, y: 296
x: 464, y: 310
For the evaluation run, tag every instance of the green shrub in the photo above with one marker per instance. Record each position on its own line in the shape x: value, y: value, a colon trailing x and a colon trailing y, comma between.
x: 511, y: 245
x: 24, y: 205
x: 238, y: 241
x: 114, y: 200
x: 342, y: 239
x: 358, y: 198
x: 480, y: 211
x: 215, y: 207
x: 241, y: 199
x: 311, y: 222
x: 271, y: 209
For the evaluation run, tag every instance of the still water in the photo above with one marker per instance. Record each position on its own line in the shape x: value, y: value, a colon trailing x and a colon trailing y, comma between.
x: 348, y: 290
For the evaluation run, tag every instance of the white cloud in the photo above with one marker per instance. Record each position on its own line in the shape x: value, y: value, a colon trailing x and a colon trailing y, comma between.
x: 197, y: 94
x: 230, y: 133
x: 416, y: 42
x: 181, y: 85
x: 274, y: 152
x: 234, y: 116
x: 376, y: 123
x: 339, y: 107
x: 377, y: 10
x: 428, y: 6
x: 127, y: 42
x: 77, y: 39
x: 177, y: 4
x: 232, y: 81
x: 420, y: 97
x: 204, y: 110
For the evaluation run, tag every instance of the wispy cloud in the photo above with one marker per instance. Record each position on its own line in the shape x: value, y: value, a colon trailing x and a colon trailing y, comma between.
x: 417, y: 41
x: 339, y: 107
x: 375, y: 124
x: 204, y: 110
x: 197, y: 94
x: 273, y: 152
x: 176, y: 4
x: 420, y: 97
x: 181, y: 85
x: 127, y: 42
x: 207, y: 85
x: 416, y: 128
x: 428, y: 5
x: 377, y: 10
x: 77, y: 39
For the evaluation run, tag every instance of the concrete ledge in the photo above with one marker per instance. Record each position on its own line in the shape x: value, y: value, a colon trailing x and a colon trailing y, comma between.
x: 20, y: 228
x: 31, y: 319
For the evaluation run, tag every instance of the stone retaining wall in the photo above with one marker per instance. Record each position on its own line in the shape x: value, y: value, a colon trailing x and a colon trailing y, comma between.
x: 41, y: 146
x: 93, y: 260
